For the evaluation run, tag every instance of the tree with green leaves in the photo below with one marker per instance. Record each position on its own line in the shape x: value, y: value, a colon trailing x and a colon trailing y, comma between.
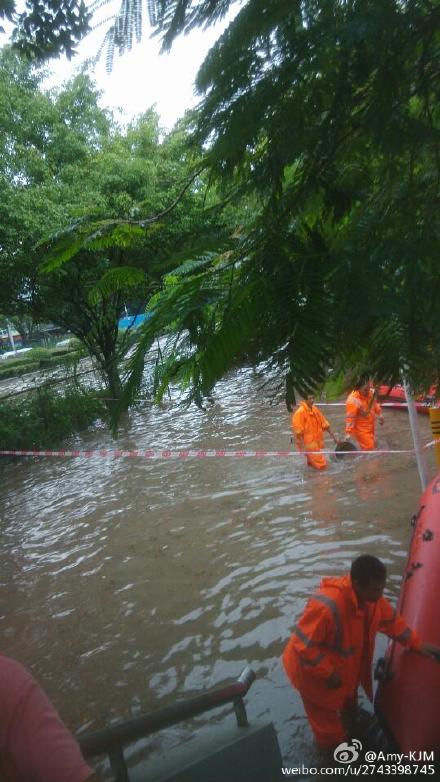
x: 47, y: 28
x: 47, y: 147
x: 50, y: 28
x: 153, y: 214
x: 328, y: 112
x: 91, y: 216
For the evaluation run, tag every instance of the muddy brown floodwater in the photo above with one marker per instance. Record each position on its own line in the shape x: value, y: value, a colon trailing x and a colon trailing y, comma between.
x: 127, y: 585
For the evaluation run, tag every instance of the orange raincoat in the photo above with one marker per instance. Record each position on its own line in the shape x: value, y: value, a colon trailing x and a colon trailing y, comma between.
x: 335, y: 634
x: 311, y: 424
x: 361, y: 413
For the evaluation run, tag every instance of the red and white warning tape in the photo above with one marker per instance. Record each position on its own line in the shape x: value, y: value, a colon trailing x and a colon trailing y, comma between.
x: 193, y: 454
x: 382, y: 404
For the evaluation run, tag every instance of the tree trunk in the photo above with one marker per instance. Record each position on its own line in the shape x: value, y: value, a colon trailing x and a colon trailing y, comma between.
x: 114, y: 383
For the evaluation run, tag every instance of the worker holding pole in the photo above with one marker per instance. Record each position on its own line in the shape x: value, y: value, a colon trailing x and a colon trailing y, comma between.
x: 362, y: 409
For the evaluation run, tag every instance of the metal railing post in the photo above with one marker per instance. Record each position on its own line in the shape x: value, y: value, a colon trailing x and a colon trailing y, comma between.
x: 415, y: 431
x: 111, y: 741
x: 240, y: 713
x: 117, y: 764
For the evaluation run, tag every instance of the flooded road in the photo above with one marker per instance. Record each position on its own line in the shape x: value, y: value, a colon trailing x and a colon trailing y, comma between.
x: 128, y: 584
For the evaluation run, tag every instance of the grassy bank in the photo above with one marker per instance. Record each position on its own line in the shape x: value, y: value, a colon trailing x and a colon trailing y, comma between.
x: 38, y: 358
x: 335, y: 386
x: 43, y: 419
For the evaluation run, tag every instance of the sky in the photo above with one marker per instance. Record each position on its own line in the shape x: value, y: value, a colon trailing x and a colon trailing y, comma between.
x: 143, y: 77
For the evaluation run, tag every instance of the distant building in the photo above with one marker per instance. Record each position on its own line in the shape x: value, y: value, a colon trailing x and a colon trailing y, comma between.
x: 5, y: 343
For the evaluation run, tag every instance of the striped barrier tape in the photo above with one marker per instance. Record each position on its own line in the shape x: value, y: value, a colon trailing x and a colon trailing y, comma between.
x: 317, y: 404
x: 382, y: 404
x: 194, y: 454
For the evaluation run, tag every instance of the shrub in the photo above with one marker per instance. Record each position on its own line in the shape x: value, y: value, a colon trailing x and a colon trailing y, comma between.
x: 43, y: 419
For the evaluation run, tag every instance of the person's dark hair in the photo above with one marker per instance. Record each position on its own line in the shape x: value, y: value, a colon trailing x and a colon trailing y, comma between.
x: 362, y: 380
x: 367, y: 568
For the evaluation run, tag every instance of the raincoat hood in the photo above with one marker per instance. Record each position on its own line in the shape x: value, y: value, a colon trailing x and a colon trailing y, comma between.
x: 342, y: 584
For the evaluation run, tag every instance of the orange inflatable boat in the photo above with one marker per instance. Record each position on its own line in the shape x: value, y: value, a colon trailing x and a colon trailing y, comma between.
x: 394, y: 396
x: 408, y: 697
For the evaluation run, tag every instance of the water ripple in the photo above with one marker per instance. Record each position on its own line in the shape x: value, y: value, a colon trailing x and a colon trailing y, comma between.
x: 131, y: 583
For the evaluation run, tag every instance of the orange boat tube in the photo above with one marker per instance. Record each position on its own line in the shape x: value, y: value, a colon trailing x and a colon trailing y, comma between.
x: 408, y: 697
x: 394, y: 396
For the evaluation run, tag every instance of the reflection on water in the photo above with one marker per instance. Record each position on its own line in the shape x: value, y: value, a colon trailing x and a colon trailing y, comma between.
x: 127, y: 584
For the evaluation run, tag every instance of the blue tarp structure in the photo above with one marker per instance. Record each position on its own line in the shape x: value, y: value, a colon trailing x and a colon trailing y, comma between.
x: 130, y: 321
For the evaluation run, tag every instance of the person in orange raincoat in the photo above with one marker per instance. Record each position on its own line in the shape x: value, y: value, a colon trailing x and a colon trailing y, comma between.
x: 331, y: 649
x: 361, y: 412
x: 308, y: 426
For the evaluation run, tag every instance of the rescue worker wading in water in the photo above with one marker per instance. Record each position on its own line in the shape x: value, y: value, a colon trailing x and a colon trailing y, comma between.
x: 308, y: 426
x: 361, y: 412
x: 331, y: 649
